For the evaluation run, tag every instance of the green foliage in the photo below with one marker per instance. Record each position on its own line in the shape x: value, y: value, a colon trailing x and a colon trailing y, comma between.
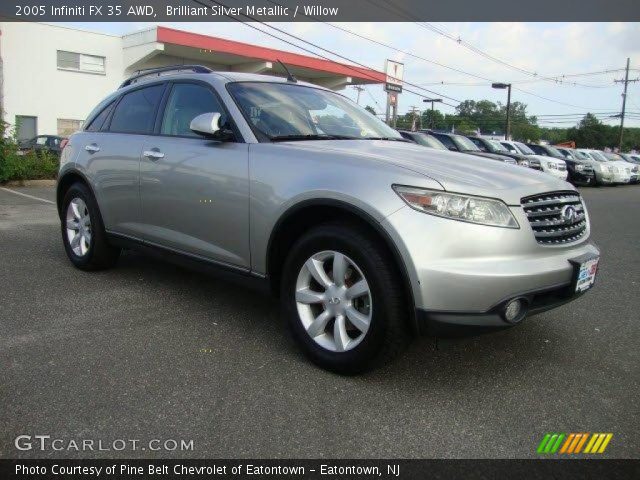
x: 490, y: 117
x: 30, y: 166
x: 370, y: 109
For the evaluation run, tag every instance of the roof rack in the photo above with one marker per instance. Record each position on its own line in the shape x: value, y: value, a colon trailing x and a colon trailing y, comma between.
x: 158, y: 71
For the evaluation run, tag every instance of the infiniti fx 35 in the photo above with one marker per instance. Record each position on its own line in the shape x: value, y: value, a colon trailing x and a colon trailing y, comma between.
x: 366, y: 238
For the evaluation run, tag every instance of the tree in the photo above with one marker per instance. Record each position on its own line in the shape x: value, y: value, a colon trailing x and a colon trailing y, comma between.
x: 591, y: 133
x: 433, y: 119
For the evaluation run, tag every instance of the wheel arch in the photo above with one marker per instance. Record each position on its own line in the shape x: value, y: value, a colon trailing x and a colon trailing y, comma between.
x: 298, y: 218
x: 64, y: 183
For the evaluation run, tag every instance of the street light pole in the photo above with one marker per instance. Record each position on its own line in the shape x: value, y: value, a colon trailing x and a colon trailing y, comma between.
x: 508, y: 87
x: 432, y: 100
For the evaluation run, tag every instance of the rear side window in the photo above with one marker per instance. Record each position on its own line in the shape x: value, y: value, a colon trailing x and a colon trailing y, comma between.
x: 136, y: 112
x: 98, y: 121
x: 186, y: 102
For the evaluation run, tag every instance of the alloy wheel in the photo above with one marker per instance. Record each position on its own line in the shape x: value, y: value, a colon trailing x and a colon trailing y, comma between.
x: 334, y: 301
x: 78, y: 224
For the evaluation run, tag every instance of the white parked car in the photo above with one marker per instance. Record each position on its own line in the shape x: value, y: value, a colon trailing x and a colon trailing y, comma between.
x: 620, y: 169
x: 603, y: 171
x: 550, y: 165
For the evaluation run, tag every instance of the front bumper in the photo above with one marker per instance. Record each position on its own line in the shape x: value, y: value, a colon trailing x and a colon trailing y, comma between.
x: 581, y: 178
x: 621, y: 177
x: 434, y: 322
x: 561, y: 174
x: 464, y: 273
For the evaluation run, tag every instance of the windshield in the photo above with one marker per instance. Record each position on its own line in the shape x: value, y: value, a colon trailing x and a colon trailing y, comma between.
x: 581, y: 155
x: 598, y: 156
x: 463, y: 143
x: 524, y: 149
x: 497, y: 146
x: 290, y: 111
x: 554, y: 152
x: 428, y: 141
x: 612, y: 156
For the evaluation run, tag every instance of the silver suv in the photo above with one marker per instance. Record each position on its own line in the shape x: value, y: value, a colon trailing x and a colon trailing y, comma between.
x: 366, y: 238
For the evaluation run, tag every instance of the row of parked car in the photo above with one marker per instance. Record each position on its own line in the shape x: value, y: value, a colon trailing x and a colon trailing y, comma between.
x: 579, y: 166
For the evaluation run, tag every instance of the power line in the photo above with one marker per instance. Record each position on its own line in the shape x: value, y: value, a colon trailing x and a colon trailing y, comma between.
x: 557, y: 79
x: 326, y: 50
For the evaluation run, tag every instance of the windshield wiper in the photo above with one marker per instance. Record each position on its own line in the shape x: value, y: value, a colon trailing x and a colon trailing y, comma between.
x: 284, y: 138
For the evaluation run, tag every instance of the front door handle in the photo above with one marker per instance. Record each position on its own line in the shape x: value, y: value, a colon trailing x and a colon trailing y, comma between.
x: 92, y: 148
x: 153, y: 154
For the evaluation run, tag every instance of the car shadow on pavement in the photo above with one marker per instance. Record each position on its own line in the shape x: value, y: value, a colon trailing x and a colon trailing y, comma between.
x: 204, y: 303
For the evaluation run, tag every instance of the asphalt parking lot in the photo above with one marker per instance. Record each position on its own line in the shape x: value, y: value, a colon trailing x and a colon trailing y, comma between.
x: 151, y: 351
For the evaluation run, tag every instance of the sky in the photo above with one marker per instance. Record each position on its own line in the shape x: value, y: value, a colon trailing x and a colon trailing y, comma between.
x: 545, y: 49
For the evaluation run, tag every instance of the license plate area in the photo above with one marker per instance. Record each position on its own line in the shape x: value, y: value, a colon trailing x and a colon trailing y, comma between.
x: 585, y: 269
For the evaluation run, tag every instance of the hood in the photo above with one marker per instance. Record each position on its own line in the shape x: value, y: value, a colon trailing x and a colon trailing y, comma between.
x: 493, y: 156
x: 456, y: 172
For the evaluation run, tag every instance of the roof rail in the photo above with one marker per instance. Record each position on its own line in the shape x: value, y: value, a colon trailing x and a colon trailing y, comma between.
x: 157, y: 71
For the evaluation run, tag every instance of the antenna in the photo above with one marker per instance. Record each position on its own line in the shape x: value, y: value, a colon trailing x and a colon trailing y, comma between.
x: 290, y: 78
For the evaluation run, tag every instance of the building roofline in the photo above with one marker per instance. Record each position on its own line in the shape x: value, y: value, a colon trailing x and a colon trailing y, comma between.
x: 221, y: 45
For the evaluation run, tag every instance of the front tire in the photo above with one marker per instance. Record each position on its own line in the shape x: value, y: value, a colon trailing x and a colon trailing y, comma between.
x: 83, y: 234
x: 342, y: 299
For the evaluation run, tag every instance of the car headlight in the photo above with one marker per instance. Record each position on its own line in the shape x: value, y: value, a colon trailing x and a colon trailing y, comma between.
x: 579, y: 167
x: 483, y: 211
x: 552, y: 166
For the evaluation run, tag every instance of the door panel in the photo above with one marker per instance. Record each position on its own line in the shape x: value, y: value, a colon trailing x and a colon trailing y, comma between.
x: 114, y: 169
x: 112, y: 156
x: 195, y: 197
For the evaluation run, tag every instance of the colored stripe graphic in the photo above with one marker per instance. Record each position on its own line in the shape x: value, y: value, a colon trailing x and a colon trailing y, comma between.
x: 572, y: 443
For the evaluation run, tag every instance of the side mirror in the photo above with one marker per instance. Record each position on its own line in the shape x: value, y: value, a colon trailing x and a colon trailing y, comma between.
x: 210, y: 125
x: 453, y: 149
x: 207, y: 124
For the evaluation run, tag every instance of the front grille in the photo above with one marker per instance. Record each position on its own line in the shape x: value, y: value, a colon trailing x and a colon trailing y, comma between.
x: 550, y: 219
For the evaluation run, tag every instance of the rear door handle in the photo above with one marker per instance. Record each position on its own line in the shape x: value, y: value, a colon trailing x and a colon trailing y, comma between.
x: 92, y: 148
x: 153, y: 154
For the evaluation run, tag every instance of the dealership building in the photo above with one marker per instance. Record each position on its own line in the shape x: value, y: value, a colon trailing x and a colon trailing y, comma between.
x: 52, y: 76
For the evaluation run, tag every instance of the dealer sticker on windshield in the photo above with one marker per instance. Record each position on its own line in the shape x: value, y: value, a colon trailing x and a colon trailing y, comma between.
x: 587, y: 274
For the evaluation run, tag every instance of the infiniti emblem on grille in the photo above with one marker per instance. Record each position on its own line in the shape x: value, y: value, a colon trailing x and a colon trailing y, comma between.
x: 569, y: 214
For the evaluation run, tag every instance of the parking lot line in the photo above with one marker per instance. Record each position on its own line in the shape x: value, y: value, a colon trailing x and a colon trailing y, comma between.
x: 27, y: 195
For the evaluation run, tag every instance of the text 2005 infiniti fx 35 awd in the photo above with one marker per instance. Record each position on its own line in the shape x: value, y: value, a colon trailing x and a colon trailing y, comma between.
x: 366, y: 238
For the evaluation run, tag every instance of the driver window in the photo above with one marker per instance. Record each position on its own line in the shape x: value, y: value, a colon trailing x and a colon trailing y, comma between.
x: 186, y: 102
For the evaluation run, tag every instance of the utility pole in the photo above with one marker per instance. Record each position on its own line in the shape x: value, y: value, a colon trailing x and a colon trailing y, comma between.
x: 359, y: 89
x: 432, y: 101
x: 626, y: 82
x: 414, y: 111
x: 507, y: 129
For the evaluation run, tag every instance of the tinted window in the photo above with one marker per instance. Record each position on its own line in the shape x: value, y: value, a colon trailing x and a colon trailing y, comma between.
x: 538, y: 149
x: 136, y: 111
x: 509, y: 147
x: 446, y: 141
x: 98, y: 121
x: 479, y: 144
x: 186, y: 102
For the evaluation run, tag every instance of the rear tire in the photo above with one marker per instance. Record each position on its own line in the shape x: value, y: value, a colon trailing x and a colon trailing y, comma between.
x: 83, y: 234
x: 340, y: 331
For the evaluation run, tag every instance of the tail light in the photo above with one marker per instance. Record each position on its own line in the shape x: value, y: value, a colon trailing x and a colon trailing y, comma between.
x: 63, y: 143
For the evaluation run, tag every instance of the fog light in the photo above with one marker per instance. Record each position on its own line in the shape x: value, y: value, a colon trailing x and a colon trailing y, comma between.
x: 514, y: 311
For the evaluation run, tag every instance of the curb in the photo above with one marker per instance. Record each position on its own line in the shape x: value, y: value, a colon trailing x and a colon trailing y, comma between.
x: 30, y: 183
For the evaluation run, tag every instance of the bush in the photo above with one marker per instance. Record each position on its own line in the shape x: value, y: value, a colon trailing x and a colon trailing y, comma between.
x: 30, y: 166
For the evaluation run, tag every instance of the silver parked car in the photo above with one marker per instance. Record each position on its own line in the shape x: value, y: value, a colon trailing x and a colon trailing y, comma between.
x: 366, y: 238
